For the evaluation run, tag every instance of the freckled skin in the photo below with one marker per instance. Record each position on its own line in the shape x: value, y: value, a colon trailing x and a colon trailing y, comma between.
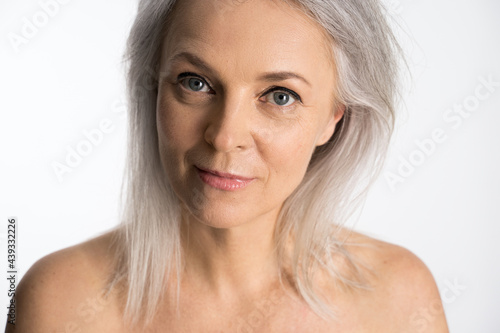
x: 229, y: 281
x: 236, y: 129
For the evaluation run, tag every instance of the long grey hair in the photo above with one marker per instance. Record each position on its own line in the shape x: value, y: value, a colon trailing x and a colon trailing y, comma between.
x: 334, y: 187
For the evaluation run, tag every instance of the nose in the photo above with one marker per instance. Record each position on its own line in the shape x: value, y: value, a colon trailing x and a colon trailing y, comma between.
x: 229, y: 124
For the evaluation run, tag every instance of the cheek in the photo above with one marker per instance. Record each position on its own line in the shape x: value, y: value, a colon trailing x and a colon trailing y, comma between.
x: 289, y: 153
x: 176, y: 134
x: 175, y: 129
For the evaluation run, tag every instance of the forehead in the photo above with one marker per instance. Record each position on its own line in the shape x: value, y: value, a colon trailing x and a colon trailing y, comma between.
x: 248, y: 33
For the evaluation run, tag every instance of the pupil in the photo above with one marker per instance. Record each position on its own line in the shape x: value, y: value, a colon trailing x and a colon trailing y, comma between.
x: 195, y: 84
x: 281, y: 99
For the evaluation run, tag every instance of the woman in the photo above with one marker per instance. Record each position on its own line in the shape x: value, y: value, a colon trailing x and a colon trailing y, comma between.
x: 256, y: 128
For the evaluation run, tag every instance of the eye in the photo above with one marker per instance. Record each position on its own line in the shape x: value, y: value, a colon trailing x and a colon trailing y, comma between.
x: 193, y: 82
x: 281, y: 96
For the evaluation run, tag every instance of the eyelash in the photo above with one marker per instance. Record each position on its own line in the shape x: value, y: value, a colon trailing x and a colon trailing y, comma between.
x: 283, y: 89
x: 296, y: 96
x: 186, y: 75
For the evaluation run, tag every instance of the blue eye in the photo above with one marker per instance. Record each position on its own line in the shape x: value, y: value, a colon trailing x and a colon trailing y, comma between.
x: 281, y: 96
x: 196, y: 84
x: 193, y: 83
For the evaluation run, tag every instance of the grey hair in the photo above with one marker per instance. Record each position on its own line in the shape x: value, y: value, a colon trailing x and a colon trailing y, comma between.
x: 334, y: 187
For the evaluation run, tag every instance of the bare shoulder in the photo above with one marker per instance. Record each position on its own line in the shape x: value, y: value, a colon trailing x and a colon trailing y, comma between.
x: 64, y: 290
x: 404, y: 289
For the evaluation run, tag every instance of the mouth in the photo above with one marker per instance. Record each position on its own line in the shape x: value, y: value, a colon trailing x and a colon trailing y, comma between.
x: 222, y: 180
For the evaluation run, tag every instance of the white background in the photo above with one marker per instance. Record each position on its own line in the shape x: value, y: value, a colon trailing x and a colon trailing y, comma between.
x: 67, y: 78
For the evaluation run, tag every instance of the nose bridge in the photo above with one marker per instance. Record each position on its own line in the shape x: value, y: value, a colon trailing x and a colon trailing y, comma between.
x: 230, y: 122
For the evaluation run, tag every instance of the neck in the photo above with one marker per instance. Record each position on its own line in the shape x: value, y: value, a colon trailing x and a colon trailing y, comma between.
x: 229, y: 261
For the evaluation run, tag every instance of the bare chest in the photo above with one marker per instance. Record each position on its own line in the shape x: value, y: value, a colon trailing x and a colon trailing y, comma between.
x: 272, y: 313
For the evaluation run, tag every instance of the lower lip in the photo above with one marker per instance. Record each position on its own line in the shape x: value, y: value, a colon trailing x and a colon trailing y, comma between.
x: 222, y: 183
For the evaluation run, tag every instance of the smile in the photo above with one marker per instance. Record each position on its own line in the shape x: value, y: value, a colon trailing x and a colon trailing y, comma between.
x: 223, y: 183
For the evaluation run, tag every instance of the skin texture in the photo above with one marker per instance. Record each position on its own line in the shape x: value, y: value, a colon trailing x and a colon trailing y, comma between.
x: 232, y: 125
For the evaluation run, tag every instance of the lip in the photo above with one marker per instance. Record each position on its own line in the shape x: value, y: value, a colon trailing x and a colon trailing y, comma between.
x: 223, y: 181
x: 224, y: 174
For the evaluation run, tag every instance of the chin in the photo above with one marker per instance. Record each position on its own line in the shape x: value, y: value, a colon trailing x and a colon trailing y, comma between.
x: 214, y: 215
x: 214, y: 208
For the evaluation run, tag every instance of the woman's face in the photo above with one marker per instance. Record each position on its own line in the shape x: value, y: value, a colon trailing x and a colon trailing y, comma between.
x: 246, y: 88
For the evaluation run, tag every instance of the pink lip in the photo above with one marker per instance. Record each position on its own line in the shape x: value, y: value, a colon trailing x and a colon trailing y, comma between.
x: 223, y: 181
x: 225, y: 175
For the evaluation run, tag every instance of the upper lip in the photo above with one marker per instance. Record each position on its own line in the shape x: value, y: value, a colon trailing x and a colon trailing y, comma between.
x: 225, y: 174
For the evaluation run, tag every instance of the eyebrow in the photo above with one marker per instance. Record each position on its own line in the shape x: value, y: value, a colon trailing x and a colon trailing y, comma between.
x: 269, y: 76
x: 281, y: 76
x: 193, y: 59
